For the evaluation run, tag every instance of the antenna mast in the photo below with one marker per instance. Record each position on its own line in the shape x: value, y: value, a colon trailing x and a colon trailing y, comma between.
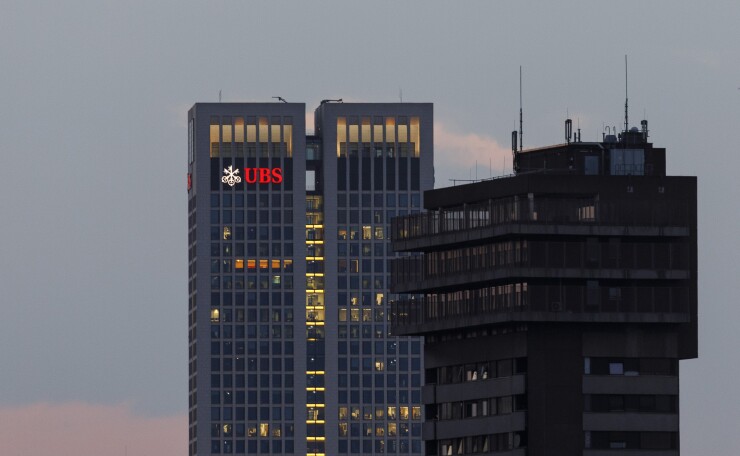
x: 521, y: 117
x: 626, y: 97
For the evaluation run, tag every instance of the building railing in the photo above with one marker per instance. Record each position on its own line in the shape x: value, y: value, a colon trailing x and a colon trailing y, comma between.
x: 560, y: 299
x: 572, y: 255
x: 540, y: 210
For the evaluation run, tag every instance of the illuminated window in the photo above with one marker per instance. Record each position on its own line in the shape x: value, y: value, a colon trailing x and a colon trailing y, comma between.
x: 416, y: 413
x: 414, y: 131
x: 342, y: 413
x: 341, y: 136
x: 403, y: 413
x: 288, y: 139
x: 342, y: 315
x: 367, y: 232
x: 379, y: 430
x: 215, y: 137
x: 379, y: 232
x: 264, y: 430
x: 355, y: 413
x: 215, y: 316
x: 379, y: 413
x: 390, y: 130
x: 227, y: 233
x: 343, y: 429
x: 239, y: 264
x: 392, y: 429
x: 379, y: 365
x: 391, y: 413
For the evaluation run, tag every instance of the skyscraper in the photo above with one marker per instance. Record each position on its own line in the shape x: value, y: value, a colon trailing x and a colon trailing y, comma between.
x: 289, y: 345
x: 555, y: 304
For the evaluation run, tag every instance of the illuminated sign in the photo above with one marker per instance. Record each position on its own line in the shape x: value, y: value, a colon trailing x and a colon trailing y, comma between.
x: 231, y: 177
x: 252, y: 176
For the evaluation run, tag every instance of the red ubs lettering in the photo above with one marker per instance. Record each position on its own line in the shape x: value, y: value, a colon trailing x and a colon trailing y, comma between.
x: 263, y: 175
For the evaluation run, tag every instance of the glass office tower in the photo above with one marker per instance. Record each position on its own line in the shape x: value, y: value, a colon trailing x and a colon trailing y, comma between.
x: 289, y: 345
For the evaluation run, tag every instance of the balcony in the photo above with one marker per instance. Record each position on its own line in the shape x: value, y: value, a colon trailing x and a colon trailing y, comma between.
x: 541, y: 303
x: 544, y: 215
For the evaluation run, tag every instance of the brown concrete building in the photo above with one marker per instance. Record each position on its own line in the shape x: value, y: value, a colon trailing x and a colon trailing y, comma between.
x: 555, y: 304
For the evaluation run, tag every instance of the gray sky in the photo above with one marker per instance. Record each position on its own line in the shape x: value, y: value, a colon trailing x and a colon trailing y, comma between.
x: 93, y: 102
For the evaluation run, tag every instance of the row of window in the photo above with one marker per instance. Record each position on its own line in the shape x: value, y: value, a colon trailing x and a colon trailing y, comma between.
x: 367, y: 200
x: 380, y: 381
x: 378, y: 397
x: 643, y: 403
x: 250, y: 380
x: 478, y: 408
x: 367, y: 364
x: 630, y: 366
x: 368, y: 233
x: 613, y: 440
x: 476, y: 371
x: 270, y: 200
x: 251, y: 430
x: 251, y: 331
x: 251, y: 265
x: 273, y: 140
x: 356, y: 282
x: 381, y: 446
x: 378, y: 347
x: 251, y: 413
x: 362, y: 331
x: 262, y: 249
x: 482, y: 443
x: 252, y: 446
x: 241, y: 397
x: 379, y: 429
x: 253, y: 282
x: 252, y: 216
x: 365, y: 249
x: 345, y: 265
x: 390, y: 412
x: 241, y: 347
x: 240, y: 364
x: 262, y: 232
x: 251, y: 298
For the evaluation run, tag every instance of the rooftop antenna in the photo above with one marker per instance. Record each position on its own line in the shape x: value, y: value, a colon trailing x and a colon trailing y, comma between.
x: 219, y: 95
x: 281, y: 99
x: 626, y: 97
x: 338, y: 100
x: 400, y: 95
x: 521, y: 117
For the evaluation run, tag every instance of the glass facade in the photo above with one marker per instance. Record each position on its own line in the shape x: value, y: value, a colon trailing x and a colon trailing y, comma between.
x: 289, y: 272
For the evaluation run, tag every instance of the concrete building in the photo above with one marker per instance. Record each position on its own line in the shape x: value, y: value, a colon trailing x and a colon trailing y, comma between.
x: 289, y: 345
x: 555, y: 304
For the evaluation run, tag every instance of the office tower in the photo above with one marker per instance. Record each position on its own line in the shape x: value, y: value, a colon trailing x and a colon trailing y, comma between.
x: 555, y: 304
x: 289, y: 252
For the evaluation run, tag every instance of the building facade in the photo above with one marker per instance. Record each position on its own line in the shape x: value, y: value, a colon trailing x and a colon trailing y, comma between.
x: 289, y: 345
x: 555, y: 304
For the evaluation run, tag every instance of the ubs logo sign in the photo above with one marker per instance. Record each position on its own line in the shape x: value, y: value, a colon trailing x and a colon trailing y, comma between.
x: 253, y: 176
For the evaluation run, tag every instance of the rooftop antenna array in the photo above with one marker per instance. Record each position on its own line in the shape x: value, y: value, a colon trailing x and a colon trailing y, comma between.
x: 626, y: 97
x: 516, y: 146
x: 281, y: 99
x: 521, y: 116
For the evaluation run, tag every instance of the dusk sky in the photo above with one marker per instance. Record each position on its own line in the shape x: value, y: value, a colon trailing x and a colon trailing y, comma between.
x: 93, y: 150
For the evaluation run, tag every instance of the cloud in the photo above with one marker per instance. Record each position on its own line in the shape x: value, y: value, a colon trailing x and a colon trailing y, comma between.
x: 80, y: 429
x: 456, y: 155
